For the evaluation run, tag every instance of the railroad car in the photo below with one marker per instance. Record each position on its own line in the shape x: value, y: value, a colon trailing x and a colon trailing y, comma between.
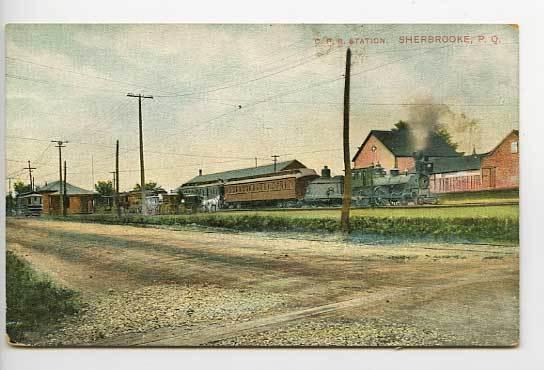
x: 29, y: 204
x: 204, y: 191
x: 325, y: 191
x: 279, y: 189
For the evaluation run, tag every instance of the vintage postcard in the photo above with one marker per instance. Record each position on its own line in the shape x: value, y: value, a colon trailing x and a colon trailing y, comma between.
x: 262, y: 185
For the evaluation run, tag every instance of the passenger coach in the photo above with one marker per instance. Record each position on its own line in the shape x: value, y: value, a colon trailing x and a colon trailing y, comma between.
x: 281, y: 189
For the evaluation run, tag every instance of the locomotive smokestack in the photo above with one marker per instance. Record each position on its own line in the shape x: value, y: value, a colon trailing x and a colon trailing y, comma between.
x: 200, y: 172
x: 326, y: 172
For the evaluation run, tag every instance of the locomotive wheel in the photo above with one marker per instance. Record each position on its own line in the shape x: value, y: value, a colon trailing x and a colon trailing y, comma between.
x: 420, y: 201
x: 380, y: 197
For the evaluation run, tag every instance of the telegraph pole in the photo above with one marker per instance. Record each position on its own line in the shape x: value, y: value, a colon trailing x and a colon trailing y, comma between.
x: 142, y: 172
x: 117, y: 178
x: 346, y: 199
x: 60, y: 146
x: 30, y: 175
x: 92, y: 171
x: 114, y: 189
x: 275, y: 159
x: 64, y: 196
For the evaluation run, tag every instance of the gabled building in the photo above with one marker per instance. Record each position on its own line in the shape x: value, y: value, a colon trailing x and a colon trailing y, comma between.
x: 395, y: 149
x: 500, y: 167
x: 79, y: 200
x: 497, y: 169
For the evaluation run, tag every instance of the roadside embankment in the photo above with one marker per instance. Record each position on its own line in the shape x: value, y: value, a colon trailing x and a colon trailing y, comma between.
x: 488, y: 229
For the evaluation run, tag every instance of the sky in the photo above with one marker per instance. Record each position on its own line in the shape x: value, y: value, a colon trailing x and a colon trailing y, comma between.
x: 228, y: 96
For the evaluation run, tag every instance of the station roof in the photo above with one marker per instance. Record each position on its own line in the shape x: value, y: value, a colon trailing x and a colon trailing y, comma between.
x: 245, y: 172
x: 53, y: 187
x: 457, y: 164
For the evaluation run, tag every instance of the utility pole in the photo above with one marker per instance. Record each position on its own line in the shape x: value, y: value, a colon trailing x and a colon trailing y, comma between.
x: 60, y: 146
x: 142, y: 172
x: 114, y: 189
x: 30, y: 175
x: 117, y: 178
x: 92, y: 171
x: 275, y: 159
x: 65, y: 196
x: 346, y: 199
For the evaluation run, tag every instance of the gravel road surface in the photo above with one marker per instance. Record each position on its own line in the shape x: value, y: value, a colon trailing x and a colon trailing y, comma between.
x: 202, y: 287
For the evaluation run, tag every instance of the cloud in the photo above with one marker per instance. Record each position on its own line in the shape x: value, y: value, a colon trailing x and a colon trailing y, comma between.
x: 224, y: 66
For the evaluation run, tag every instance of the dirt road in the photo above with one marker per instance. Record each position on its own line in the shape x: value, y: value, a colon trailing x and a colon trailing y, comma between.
x: 159, y: 287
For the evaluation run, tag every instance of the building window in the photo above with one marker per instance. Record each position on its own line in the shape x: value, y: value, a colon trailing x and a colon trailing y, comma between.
x: 514, y: 147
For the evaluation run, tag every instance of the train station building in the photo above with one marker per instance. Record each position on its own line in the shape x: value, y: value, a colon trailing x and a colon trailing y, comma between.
x: 78, y: 200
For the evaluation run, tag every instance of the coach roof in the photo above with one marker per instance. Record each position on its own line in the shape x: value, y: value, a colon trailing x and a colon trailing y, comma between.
x: 245, y: 172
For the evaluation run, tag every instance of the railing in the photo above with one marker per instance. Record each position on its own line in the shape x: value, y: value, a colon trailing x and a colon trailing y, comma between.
x: 455, y: 184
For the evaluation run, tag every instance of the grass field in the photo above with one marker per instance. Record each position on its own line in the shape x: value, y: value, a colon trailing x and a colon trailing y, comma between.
x: 508, y: 211
x: 474, y: 223
x: 509, y: 195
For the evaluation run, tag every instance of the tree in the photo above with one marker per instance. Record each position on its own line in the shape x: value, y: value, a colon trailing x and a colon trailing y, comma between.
x: 442, y: 132
x: 105, y: 188
x: 148, y: 186
x: 20, y: 187
x: 10, y: 204
x: 400, y: 125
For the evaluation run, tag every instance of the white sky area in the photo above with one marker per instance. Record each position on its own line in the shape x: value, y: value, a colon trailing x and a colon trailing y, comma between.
x: 225, y: 94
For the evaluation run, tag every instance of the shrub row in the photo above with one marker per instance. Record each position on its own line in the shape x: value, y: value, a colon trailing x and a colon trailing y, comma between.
x: 473, y: 229
x: 33, y: 301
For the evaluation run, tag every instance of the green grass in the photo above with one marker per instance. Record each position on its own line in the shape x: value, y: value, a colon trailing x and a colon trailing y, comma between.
x: 460, y: 223
x: 33, y: 301
x: 489, y: 196
x: 509, y: 211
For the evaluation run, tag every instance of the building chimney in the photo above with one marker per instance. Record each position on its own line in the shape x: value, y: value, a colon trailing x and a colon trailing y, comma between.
x: 326, y: 172
x: 200, y: 172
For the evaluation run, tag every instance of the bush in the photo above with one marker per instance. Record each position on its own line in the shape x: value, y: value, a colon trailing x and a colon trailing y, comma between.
x: 33, y: 301
x: 457, y: 228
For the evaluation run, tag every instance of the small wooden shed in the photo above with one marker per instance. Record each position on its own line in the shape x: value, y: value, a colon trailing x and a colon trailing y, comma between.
x: 79, y: 200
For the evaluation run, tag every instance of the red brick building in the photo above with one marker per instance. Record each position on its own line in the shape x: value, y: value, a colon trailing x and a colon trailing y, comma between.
x: 497, y: 169
x: 500, y: 167
x: 395, y: 149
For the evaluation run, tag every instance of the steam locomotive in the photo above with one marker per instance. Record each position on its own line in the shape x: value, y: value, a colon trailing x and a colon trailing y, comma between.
x: 374, y: 187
